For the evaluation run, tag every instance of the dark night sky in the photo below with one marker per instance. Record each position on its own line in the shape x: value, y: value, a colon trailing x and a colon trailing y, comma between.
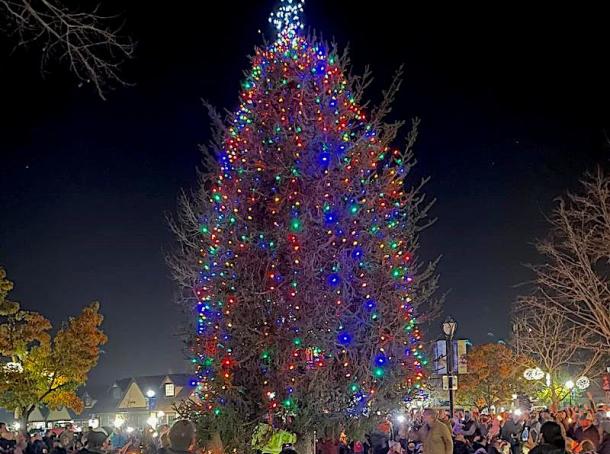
x: 514, y: 104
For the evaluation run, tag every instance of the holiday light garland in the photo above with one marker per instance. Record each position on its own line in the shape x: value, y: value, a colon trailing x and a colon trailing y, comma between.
x: 305, y: 272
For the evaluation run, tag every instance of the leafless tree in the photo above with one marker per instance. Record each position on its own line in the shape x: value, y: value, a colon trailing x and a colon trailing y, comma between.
x: 558, y: 346
x: 564, y: 324
x: 89, y: 41
x: 573, y: 280
x: 552, y: 340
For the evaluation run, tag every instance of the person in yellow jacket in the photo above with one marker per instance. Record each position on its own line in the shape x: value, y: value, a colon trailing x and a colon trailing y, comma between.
x: 268, y: 440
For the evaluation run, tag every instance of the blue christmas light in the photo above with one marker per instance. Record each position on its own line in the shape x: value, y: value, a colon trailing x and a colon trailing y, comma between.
x: 331, y: 218
x: 381, y: 359
x: 334, y: 280
x: 344, y: 338
x: 370, y: 304
x: 324, y: 159
x: 357, y: 253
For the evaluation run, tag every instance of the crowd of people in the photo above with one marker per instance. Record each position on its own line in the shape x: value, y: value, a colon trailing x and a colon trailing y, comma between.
x: 177, y: 439
x: 569, y: 431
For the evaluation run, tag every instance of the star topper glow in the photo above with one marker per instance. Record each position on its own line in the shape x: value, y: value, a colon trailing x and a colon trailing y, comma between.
x: 287, y: 19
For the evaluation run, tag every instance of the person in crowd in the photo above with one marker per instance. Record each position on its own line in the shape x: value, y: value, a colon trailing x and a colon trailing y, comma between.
x: 604, y: 429
x: 23, y: 440
x: 461, y: 445
x: 443, y: 417
x: 379, y: 440
x: 7, y: 441
x: 498, y: 446
x: 586, y: 430
x: 182, y: 437
x: 470, y: 427
x: 533, y: 425
x: 511, y: 432
x: 551, y: 440
x: 288, y: 449
x: 328, y: 445
x: 435, y: 434
x: 37, y: 444
x: 98, y: 441
x: 484, y: 425
x: 49, y: 439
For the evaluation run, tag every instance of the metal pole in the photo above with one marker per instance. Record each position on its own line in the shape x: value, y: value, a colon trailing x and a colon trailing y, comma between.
x: 450, y: 373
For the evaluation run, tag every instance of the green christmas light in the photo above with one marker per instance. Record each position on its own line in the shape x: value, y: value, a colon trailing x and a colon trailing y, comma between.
x: 217, y: 197
x: 378, y: 372
x: 297, y: 341
x: 397, y: 272
x: 295, y: 225
x: 217, y: 411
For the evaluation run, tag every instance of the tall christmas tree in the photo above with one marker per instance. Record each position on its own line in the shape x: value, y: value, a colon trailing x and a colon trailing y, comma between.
x: 297, y: 251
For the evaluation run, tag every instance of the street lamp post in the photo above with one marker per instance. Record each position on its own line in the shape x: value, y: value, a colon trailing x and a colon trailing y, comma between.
x: 449, y: 328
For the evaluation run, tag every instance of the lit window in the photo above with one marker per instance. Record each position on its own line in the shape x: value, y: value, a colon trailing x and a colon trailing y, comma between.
x: 169, y: 390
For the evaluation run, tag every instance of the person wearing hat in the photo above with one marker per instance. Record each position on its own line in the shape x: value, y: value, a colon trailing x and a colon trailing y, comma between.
x: 98, y: 441
x: 586, y: 430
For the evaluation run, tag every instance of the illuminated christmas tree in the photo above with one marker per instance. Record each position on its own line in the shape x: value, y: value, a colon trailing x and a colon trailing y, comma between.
x: 297, y: 251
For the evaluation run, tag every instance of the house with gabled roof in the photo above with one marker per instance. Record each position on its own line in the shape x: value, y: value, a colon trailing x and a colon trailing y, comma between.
x: 135, y: 399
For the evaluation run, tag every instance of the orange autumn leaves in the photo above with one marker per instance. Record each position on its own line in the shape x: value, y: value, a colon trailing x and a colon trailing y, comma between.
x: 39, y: 368
x: 495, y: 374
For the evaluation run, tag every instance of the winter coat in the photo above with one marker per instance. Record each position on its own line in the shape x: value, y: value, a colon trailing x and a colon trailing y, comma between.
x: 437, y: 439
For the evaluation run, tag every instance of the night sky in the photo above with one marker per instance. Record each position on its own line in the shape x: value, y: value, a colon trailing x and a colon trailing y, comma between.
x: 514, y: 106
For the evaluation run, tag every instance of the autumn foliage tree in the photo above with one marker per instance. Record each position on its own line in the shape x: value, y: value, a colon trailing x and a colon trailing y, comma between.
x: 495, y: 374
x: 37, y: 368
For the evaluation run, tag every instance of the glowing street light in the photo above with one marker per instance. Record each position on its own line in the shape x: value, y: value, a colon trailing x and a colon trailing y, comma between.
x: 401, y: 418
x: 152, y: 421
x: 150, y: 394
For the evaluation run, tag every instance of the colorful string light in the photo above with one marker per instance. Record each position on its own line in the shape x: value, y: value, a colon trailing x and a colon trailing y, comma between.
x: 303, y: 259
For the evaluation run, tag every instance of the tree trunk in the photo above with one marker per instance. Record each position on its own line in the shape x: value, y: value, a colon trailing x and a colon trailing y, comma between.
x: 304, y: 444
x: 24, y: 417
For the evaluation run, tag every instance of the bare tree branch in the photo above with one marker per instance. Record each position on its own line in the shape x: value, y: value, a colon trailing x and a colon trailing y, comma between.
x: 90, y: 42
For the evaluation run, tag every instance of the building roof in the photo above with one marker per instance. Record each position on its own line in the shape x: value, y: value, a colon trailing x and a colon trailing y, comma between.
x: 109, y: 399
x: 106, y: 399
